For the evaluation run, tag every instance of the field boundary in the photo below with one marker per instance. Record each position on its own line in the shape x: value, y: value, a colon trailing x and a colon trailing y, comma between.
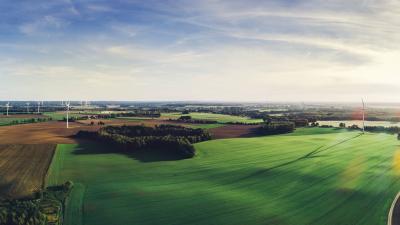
x: 392, y: 207
x: 44, y: 182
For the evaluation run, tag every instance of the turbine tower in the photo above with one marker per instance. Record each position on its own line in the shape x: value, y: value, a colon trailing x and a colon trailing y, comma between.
x: 67, y: 104
x: 363, y: 116
x: 7, y: 106
x: 38, y: 107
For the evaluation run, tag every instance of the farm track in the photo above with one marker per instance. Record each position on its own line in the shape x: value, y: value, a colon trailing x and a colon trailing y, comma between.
x: 394, y: 213
x: 23, y: 168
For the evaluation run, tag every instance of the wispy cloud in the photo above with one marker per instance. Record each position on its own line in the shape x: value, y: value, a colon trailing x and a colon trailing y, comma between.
x: 235, y: 50
x: 42, y: 24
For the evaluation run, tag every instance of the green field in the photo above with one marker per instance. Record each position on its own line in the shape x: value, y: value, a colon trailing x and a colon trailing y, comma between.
x: 220, y: 118
x: 60, y: 115
x: 9, y: 121
x: 303, y: 178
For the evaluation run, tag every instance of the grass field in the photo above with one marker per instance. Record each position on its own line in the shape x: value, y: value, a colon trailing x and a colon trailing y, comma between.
x: 302, y: 178
x: 23, y: 169
x: 8, y: 121
x: 60, y: 115
x: 220, y: 118
x: 4, y: 121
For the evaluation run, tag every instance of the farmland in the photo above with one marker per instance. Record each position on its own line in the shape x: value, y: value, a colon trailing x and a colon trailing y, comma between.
x: 19, y: 118
x: 220, y: 118
x: 23, y: 169
x: 313, y: 176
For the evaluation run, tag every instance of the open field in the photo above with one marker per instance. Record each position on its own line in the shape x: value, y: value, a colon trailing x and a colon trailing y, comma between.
x: 220, y: 118
x: 56, y: 133
x: 23, y: 168
x: 336, y: 123
x: 302, y: 178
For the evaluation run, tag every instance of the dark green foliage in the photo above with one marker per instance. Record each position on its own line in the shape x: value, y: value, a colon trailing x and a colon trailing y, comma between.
x: 174, y: 139
x: 188, y: 119
x: 381, y: 129
x: 354, y: 127
x: 185, y: 118
x: 276, y: 128
x: 342, y: 125
x: 300, y: 122
x: 35, y: 211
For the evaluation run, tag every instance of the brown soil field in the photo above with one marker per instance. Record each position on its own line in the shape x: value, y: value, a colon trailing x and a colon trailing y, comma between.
x: 233, y: 131
x: 23, y: 169
x: 54, y: 132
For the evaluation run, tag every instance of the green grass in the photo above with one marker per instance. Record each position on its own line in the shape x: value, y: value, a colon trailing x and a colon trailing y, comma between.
x: 60, y: 115
x: 9, y: 121
x: 220, y: 118
x: 302, y: 178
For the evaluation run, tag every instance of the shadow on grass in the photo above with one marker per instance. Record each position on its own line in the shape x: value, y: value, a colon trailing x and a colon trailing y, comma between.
x: 143, y: 155
x: 310, y: 155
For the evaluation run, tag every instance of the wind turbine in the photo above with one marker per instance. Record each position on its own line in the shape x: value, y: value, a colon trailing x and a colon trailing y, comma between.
x: 67, y: 104
x: 38, y: 107
x: 27, y: 107
x: 363, y: 115
x: 7, y: 106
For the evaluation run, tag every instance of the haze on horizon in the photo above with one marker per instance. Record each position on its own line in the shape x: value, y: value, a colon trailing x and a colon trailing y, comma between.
x: 283, y: 50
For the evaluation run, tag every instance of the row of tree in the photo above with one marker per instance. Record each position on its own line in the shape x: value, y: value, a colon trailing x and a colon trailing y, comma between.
x: 31, y: 120
x: 280, y: 127
x: 173, y: 139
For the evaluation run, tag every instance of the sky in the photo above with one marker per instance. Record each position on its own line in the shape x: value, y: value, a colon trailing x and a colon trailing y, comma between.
x: 205, y: 50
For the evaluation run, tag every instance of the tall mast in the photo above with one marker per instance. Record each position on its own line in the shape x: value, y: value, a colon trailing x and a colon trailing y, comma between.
x: 363, y: 115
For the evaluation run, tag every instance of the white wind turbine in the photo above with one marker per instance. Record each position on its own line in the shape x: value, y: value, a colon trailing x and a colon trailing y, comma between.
x: 363, y: 115
x: 8, y: 106
x: 38, y: 107
x: 67, y: 104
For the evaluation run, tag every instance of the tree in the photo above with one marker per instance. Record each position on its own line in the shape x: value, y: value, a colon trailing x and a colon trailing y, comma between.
x: 342, y: 125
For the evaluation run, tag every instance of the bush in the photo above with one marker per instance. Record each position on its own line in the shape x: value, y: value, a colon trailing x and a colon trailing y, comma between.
x: 276, y: 128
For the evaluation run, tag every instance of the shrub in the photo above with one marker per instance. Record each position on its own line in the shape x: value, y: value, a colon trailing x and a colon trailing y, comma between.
x: 276, y: 128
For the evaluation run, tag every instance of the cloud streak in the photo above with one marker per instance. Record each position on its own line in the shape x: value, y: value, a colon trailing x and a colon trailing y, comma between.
x: 209, y: 50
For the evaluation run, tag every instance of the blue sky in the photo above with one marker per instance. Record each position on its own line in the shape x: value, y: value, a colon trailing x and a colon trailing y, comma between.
x: 283, y: 50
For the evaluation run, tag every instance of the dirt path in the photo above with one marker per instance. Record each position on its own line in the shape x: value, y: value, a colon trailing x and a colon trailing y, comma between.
x: 394, y: 212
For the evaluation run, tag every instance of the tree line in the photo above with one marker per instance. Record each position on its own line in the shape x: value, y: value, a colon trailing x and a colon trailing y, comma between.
x: 170, y: 138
